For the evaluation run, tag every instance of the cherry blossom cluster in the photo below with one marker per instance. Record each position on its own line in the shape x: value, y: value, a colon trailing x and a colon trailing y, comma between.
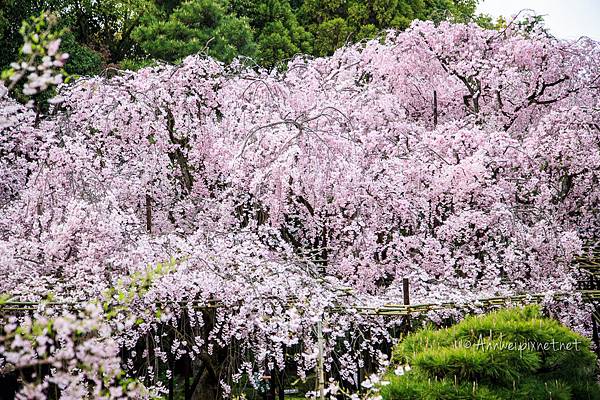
x: 78, y: 350
x: 40, y: 60
x: 466, y: 160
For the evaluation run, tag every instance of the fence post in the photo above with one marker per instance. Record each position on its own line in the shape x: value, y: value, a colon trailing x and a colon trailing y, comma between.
x: 406, y: 298
x: 282, y: 375
x: 320, y: 363
x: 595, y: 338
x: 268, y: 381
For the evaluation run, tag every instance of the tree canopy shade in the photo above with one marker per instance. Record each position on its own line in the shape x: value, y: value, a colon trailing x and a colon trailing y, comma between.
x: 283, y: 29
x: 131, y: 32
x: 195, y: 26
x: 99, y: 30
x: 279, y: 34
x: 335, y: 22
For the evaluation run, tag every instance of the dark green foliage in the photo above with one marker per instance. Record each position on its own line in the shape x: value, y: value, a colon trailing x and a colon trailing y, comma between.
x: 194, y: 26
x: 110, y: 32
x: 335, y: 22
x: 12, y: 13
x: 106, y: 26
x: 100, y: 30
x: 134, y: 64
x: 420, y: 386
x: 82, y: 59
x: 509, y: 354
x: 279, y: 35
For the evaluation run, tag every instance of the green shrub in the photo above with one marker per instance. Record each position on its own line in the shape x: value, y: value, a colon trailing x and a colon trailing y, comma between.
x: 82, y: 60
x: 134, y: 64
x: 508, y: 354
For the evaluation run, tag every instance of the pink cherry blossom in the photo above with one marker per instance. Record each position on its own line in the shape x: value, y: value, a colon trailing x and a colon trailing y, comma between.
x: 466, y: 160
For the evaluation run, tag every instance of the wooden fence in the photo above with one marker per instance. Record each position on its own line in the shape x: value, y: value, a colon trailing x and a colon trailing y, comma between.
x: 587, y: 266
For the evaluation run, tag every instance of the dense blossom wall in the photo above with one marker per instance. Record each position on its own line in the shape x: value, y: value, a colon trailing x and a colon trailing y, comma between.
x: 466, y: 160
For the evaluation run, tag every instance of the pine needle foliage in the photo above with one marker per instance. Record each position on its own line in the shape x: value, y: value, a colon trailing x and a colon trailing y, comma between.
x: 508, y: 354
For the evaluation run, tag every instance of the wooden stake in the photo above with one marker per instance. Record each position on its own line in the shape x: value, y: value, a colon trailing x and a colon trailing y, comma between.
x: 320, y: 367
x: 148, y: 213
x: 406, y: 301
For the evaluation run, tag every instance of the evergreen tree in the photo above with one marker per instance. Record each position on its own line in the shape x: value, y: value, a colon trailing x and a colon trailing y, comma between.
x: 195, y: 26
x: 336, y: 22
x: 279, y: 35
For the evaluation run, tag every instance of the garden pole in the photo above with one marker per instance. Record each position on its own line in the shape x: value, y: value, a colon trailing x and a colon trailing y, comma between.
x: 282, y: 376
x: 595, y: 337
x: 320, y: 371
x: 406, y: 298
x: 267, y: 380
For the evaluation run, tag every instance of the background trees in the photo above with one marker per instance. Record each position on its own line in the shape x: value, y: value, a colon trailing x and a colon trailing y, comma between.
x: 99, y: 31
x: 279, y: 33
x: 335, y: 22
x: 130, y: 33
x: 194, y: 26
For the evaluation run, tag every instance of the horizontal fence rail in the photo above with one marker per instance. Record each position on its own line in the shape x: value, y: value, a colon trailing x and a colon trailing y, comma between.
x: 386, y: 309
x: 588, y: 264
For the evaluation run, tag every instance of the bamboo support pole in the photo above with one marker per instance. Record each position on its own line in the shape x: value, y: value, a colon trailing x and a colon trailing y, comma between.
x: 320, y: 362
